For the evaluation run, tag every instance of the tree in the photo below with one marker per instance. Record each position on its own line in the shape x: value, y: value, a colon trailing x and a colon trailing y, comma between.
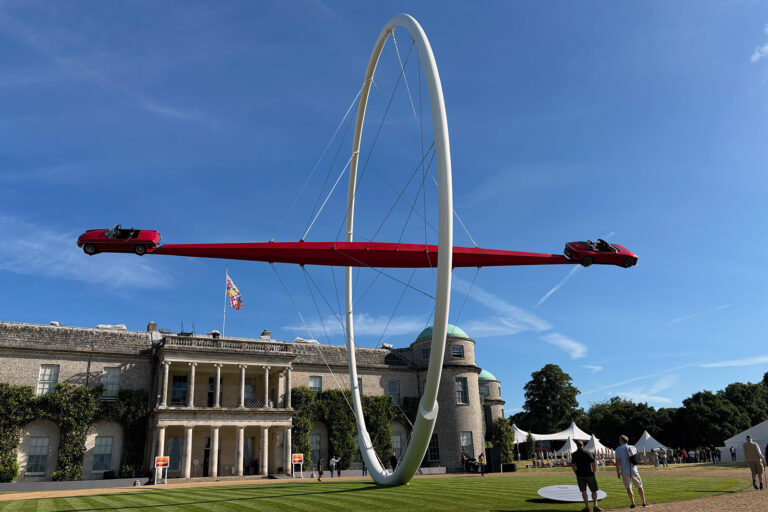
x: 504, y: 439
x: 750, y: 398
x: 550, y: 400
x: 709, y: 419
x: 608, y: 420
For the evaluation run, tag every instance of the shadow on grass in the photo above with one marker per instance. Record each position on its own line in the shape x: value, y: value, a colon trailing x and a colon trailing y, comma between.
x: 364, y: 487
x: 541, y: 501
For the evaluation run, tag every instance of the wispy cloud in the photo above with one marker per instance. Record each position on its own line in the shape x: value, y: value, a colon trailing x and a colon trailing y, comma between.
x: 92, y: 68
x: 511, y: 316
x: 41, y: 251
x: 700, y: 313
x: 749, y: 361
x: 574, y: 348
x: 637, y: 379
x: 552, y: 290
x: 759, y: 53
x: 52, y: 174
x: 651, y: 392
x: 365, y: 325
x: 593, y: 368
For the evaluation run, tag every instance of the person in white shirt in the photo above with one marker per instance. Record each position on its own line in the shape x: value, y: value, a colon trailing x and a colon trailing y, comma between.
x: 627, y: 472
x: 332, y: 462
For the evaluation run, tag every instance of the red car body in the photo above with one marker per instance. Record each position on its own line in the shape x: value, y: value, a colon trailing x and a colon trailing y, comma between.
x: 600, y: 252
x: 118, y: 240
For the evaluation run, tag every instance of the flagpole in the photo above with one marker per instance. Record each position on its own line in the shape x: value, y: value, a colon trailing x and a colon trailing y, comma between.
x: 224, y: 321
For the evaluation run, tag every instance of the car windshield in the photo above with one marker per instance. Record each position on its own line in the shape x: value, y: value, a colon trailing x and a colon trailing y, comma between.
x: 112, y: 233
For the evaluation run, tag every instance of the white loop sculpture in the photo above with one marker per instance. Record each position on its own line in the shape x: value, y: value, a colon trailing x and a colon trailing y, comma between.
x: 427, y: 412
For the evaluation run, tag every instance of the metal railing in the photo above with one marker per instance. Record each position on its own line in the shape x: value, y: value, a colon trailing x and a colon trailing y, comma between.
x: 227, y: 344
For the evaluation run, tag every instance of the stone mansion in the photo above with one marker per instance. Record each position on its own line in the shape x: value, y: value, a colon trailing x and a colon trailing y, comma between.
x: 222, y: 406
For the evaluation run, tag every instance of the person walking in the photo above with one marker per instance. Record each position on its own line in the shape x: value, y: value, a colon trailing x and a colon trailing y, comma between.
x: 365, y: 469
x: 338, y: 466
x: 332, y: 463
x: 464, y: 462
x: 393, y: 461
x: 584, y: 467
x: 319, y: 469
x: 733, y: 454
x: 481, y: 462
x: 626, y: 470
x: 664, y: 454
x: 755, y: 461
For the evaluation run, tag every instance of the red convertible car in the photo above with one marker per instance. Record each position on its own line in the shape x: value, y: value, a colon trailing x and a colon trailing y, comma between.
x: 600, y: 252
x: 118, y: 240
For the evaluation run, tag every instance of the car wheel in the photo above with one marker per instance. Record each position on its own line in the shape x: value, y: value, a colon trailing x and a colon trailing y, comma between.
x: 89, y: 249
x: 587, y: 261
x: 630, y: 262
x: 140, y: 250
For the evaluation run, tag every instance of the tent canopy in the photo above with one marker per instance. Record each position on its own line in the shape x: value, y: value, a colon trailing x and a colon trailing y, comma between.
x: 647, y: 443
x: 568, y: 448
x: 594, y: 445
x: 573, y: 432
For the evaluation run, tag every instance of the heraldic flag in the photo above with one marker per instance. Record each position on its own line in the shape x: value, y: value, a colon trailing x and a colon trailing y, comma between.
x: 235, y: 300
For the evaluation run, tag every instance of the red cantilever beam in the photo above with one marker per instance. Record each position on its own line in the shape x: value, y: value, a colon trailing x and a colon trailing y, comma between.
x: 359, y: 254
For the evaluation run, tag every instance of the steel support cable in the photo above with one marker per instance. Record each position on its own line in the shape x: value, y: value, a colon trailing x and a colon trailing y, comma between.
x: 461, y: 309
x: 330, y: 168
x: 363, y: 264
x: 322, y: 295
x: 394, y: 311
x: 399, y: 193
x: 330, y: 193
x: 309, y: 331
x: 456, y: 214
x: 405, y: 78
x: 306, y: 182
x: 373, y: 144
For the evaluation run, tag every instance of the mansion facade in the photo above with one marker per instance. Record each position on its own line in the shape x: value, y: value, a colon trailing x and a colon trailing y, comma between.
x: 222, y: 406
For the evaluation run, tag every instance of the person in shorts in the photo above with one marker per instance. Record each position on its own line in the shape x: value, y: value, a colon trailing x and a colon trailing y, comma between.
x: 627, y: 472
x: 584, y: 466
x: 755, y: 461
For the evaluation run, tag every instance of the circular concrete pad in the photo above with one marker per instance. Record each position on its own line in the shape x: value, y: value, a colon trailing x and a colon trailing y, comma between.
x: 570, y: 493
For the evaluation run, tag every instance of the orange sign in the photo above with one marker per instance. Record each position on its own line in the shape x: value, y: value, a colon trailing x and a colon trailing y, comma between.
x: 162, y: 462
x: 298, y: 458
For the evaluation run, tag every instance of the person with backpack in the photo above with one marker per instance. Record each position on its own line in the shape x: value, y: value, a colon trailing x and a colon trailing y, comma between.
x: 584, y: 466
x: 626, y: 470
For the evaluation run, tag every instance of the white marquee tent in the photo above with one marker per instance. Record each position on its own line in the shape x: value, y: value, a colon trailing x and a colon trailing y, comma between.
x: 568, y: 448
x: 759, y: 435
x: 647, y: 443
x: 573, y: 432
x: 595, y: 446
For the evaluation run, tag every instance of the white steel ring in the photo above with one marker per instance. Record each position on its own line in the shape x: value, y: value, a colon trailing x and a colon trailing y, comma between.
x: 427, y: 412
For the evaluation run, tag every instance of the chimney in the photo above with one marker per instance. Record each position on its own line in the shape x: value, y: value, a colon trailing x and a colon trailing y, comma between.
x: 151, y: 326
x: 266, y: 335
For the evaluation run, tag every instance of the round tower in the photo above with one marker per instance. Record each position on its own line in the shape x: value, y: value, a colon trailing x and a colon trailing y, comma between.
x: 459, y: 425
x: 490, y: 394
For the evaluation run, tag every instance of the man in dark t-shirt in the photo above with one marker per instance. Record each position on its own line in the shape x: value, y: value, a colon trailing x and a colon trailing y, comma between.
x: 583, y: 465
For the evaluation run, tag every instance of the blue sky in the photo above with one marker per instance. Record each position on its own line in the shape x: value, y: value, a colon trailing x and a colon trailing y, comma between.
x: 642, y: 122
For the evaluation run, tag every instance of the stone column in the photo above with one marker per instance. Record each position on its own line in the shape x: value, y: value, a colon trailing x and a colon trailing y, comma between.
x: 240, y: 449
x: 187, y: 452
x: 191, y: 385
x: 242, y: 384
x: 217, y: 386
x: 288, y: 466
x: 266, y: 386
x: 288, y: 388
x: 160, y: 442
x: 213, y: 461
x: 264, y: 450
x: 164, y: 393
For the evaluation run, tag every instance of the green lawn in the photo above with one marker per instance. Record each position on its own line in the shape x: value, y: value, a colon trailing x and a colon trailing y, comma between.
x: 491, y: 493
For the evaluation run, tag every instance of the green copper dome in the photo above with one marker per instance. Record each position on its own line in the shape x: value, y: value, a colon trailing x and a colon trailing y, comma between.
x: 453, y: 332
x: 486, y: 375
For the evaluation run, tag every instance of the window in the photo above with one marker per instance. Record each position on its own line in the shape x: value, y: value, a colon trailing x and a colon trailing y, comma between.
x: 466, y: 444
x: 111, y: 381
x: 250, y: 389
x: 484, y: 390
x: 394, y: 390
x: 457, y: 351
x: 175, y: 454
x: 38, y: 454
x: 360, y: 385
x: 425, y: 354
x: 314, y: 440
x: 397, y: 446
x: 49, y: 376
x: 433, y: 452
x: 102, y: 454
x: 462, y: 397
x: 212, y: 391
x: 316, y: 385
x: 247, y: 450
x: 179, y: 390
